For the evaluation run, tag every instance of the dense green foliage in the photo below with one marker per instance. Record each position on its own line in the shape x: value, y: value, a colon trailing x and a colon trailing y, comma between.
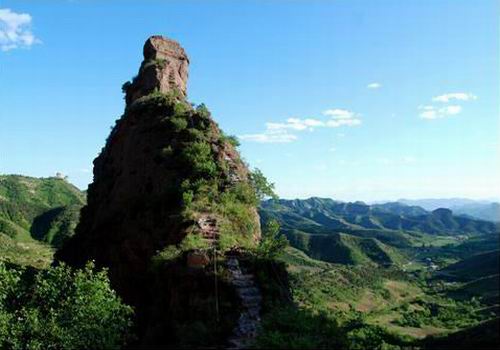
x: 451, y: 315
x: 262, y: 187
x: 205, y: 174
x: 61, y: 308
x: 272, y: 244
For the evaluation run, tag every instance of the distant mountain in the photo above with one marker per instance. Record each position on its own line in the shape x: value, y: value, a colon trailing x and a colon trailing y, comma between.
x: 400, y: 209
x: 480, y: 209
x: 322, y: 215
x: 484, y: 211
x: 357, y: 233
x: 41, y: 209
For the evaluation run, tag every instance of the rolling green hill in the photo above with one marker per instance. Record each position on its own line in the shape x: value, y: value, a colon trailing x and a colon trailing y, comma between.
x: 345, y: 249
x: 36, y: 213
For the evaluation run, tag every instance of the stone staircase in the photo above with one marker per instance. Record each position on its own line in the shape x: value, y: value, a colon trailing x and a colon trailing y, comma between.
x: 246, y: 329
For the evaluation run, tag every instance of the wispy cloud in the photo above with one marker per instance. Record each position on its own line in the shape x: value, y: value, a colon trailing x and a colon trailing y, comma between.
x: 459, y: 96
x: 431, y: 112
x: 269, y: 137
x: 283, y: 132
x: 338, y: 113
x: 15, y: 30
x: 374, y: 86
x: 295, y: 124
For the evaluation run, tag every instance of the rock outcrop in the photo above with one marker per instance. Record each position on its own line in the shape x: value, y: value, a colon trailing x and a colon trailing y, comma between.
x: 165, y: 68
x: 167, y: 179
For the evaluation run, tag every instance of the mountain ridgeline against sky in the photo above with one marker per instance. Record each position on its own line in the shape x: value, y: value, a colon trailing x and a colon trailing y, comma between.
x: 485, y: 210
x: 357, y: 233
x: 335, y: 215
x: 167, y: 181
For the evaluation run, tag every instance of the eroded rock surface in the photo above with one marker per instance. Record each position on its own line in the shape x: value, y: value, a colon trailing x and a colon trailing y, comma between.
x: 165, y: 68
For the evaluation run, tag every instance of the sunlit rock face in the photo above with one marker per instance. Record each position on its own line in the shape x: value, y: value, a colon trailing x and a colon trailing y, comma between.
x: 165, y: 68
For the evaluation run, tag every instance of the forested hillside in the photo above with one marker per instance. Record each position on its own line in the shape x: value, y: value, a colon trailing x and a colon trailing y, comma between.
x: 36, y: 215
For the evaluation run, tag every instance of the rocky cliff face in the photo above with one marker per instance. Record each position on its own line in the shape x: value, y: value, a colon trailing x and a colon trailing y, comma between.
x: 165, y: 171
x: 164, y: 68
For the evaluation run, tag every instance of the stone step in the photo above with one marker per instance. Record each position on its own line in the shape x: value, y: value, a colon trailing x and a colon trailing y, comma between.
x: 237, y: 343
x: 248, y: 291
x: 241, y: 277
x: 249, y: 294
x: 231, y: 262
x: 250, y: 303
x: 242, y: 283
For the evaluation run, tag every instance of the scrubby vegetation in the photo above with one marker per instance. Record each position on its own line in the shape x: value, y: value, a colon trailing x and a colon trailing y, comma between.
x: 61, y: 308
x: 361, y: 307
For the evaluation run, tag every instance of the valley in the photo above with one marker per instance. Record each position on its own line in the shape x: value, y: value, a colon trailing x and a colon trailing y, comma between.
x: 416, y: 285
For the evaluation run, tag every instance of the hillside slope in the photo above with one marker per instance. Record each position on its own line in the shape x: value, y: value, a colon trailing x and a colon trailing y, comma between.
x: 474, y: 267
x: 34, y: 210
x: 345, y: 249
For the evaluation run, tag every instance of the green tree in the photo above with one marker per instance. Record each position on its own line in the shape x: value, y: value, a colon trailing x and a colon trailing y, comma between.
x: 199, y: 156
x: 61, y: 308
x: 273, y: 243
x: 263, y: 188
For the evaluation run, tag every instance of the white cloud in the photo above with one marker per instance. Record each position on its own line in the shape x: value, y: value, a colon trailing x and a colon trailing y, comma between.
x: 431, y: 112
x: 460, y: 96
x: 338, y: 113
x: 450, y: 110
x: 15, y: 30
x: 343, y: 122
x: 429, y: 115
x: 270, y: 136
x: 374, y: 85
x: 283, y: 132
x: 296, y: 124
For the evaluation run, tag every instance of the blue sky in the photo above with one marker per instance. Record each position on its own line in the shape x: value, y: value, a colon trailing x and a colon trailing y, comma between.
x: 354, y: 100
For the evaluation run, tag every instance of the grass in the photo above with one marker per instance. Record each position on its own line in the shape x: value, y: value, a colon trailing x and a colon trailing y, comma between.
x: 25, y: 253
